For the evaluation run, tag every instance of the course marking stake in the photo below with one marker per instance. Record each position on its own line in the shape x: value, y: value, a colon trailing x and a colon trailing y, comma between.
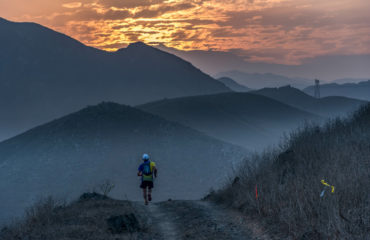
x: 326, y: 185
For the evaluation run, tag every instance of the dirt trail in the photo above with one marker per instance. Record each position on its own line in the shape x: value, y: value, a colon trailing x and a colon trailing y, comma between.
x: 200, y: 220
x: 164, y: 222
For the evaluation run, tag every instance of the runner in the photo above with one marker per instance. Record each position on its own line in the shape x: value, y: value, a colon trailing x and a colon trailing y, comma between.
x: 146, y: 170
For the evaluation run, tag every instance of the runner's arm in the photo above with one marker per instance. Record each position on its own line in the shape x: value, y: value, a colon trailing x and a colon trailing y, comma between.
x: 155, y: 171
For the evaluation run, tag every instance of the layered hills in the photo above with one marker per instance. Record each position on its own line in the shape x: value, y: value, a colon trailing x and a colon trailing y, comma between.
x: 45, y: 74
x: 78, y: 152
x: 249, y: 120
x: 331, y: 106
x: 360, y: 90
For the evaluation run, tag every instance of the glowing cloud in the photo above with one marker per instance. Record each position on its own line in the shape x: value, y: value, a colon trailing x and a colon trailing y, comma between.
x: 72, y: 5
x: 280, y: 31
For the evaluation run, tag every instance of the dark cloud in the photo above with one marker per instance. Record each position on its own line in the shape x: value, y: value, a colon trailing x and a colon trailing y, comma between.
x: 89, y: 14
x: 133, y: 37
x: 103, y: 34
x: 117, y: 15
x: 152, y: 13
x: 83, y: 29
x: 118, y: 27
x: 129, y: 3
x: 226, y: 32
x: 288, y: 17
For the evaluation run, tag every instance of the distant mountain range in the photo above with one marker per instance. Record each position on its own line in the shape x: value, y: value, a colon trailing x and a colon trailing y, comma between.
x: 359, y: 90
x: 77, y: 152
x: 233, y: 85
x: 259, y: 80
x: 327, y: 68
x: 349, y: 80
x: 326, y: 107
x: 45, y: 74
x: 249, y: 120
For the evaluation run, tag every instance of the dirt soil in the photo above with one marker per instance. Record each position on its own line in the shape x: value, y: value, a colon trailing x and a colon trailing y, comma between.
x: 198, y: 220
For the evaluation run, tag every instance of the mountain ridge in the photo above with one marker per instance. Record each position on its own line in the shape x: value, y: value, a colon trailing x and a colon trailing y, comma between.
x: 360, y: 90
x: 45, y: 69
x: 245, y: 119
x: 262, y: 80
x: 331, y: 106
x: 233, y: 85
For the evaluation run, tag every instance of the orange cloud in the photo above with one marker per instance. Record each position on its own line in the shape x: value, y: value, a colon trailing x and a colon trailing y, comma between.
x: 72, y: 5
x: 280, y: 31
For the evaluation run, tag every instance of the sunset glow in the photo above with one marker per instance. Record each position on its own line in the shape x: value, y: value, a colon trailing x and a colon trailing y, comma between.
x: 280, y: 31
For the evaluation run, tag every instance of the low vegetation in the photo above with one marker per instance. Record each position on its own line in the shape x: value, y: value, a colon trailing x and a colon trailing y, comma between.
x: 94, y: 216
x: 283, y: 187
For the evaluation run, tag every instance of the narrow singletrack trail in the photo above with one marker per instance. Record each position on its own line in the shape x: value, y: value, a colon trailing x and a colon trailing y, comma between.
x: 164, y: 222
x: 200, y: 220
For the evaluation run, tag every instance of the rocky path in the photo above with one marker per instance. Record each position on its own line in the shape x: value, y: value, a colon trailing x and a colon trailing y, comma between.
x: 199, y: 220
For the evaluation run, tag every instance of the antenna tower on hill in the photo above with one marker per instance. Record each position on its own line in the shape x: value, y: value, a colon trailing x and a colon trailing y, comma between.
x: 317, y: 88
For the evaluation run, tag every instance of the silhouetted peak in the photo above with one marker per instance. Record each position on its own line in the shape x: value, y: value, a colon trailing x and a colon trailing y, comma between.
x: 288, y: 88
x: 287, y: 91
x: 107, y: 107
x: 137, y: 45
x: 3, y: 20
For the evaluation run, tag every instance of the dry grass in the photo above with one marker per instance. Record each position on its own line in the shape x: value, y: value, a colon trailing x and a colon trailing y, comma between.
x: 86, y: 219
x: 288, y: 180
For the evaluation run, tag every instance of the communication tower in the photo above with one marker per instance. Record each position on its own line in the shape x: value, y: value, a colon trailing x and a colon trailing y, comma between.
x: 317, y: 88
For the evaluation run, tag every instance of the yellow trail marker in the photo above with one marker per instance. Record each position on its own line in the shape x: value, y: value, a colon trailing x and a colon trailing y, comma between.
x: 328, y: 185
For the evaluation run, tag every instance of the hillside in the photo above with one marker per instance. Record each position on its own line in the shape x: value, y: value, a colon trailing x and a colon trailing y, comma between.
x: 262, y: 80
x: 45, y: 74
x: 230, y: 83
x: 292, y: 198
x: 77, y: 152
x: 327, y: 106
x: 359, y: 90
x: 249, y: 120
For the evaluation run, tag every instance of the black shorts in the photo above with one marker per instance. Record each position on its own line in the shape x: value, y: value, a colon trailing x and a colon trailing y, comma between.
x: 145, y: 184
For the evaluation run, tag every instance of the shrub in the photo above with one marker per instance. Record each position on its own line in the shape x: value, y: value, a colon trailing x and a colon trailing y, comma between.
x: 106, y: 187
x: 38, y: 222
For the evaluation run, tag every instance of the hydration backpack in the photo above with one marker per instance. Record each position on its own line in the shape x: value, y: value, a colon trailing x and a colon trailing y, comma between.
x: 146, y: 169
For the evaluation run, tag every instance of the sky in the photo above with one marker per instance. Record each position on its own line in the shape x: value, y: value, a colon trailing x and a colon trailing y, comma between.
x: 273, y: 31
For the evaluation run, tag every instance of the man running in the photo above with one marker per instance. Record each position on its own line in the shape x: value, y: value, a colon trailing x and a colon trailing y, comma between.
x: 146, y: 170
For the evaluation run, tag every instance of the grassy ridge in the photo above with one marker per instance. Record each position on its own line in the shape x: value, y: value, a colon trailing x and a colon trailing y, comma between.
x: 288, y: 180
